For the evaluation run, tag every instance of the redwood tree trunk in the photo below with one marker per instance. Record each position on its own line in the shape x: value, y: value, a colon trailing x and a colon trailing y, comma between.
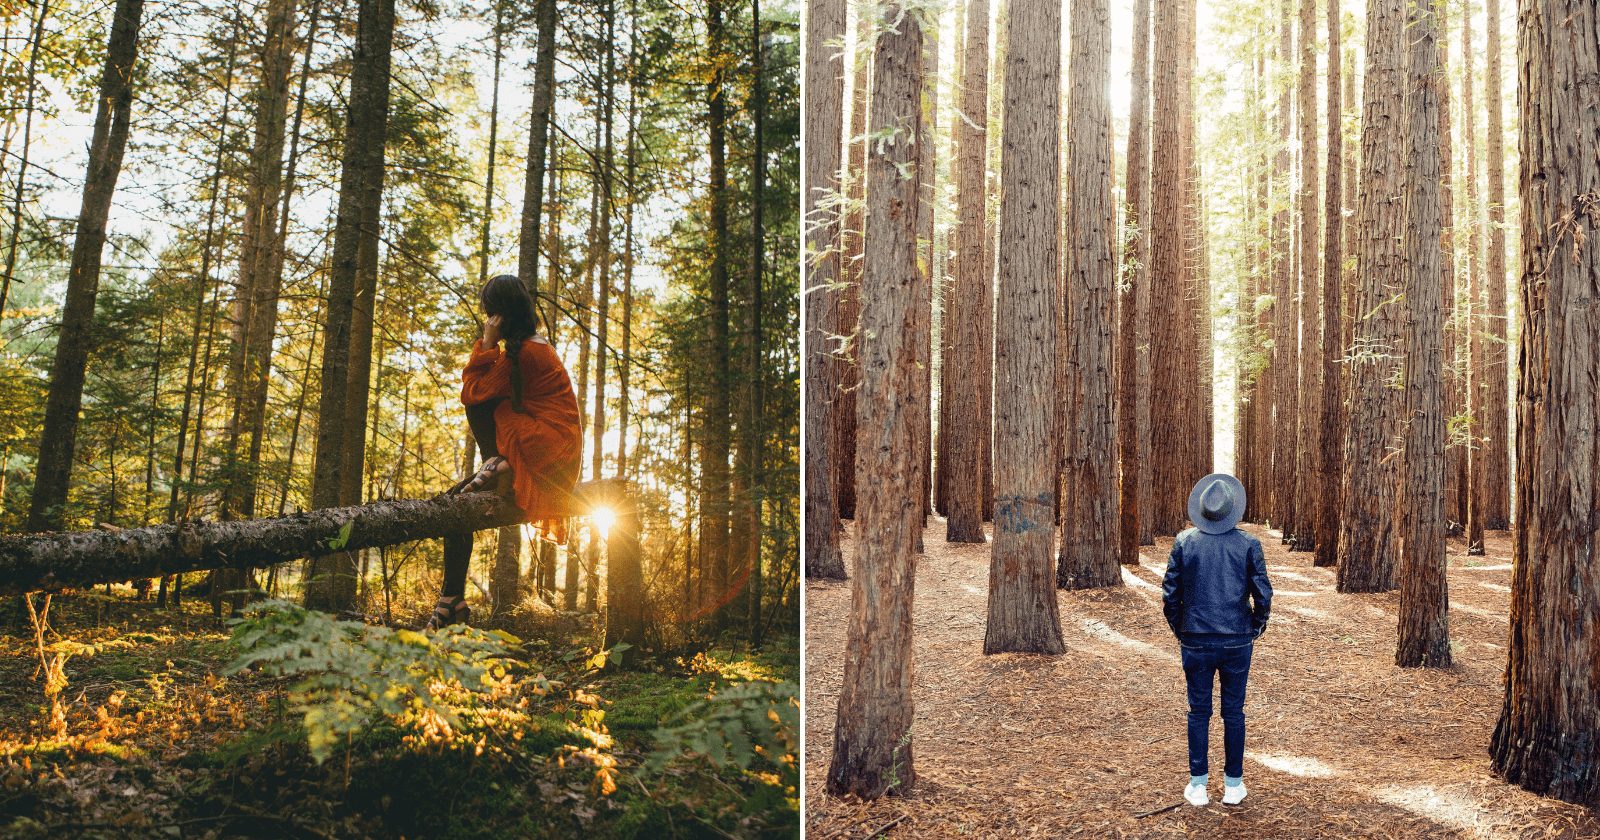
x: 1424, y: 637
x: 1285, y: 409
x: 1332, y: 460
x: 1090, y: 522
x: 1133, y: 352
x: 963, y: 386
x: 1168, y: 272
x: 1366, y: 530
x: 106, y: 145
x: 1022, y: 603
x: 872, y: 735
x: 1496, y: 442
x: 1308, y: 447
x: 824, y: 116
x: 1545, y: 738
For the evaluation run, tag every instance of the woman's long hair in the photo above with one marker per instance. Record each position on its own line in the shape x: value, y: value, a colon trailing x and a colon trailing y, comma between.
x: 506, y: 296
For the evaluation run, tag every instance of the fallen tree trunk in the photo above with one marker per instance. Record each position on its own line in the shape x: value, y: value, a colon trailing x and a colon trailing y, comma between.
x: 55, y: 560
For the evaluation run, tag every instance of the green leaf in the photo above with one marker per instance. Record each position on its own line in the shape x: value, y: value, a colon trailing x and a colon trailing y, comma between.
x: 339, y: 542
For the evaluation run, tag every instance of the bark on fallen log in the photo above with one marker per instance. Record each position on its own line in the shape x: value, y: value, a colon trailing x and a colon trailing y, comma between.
x: 31, y: 562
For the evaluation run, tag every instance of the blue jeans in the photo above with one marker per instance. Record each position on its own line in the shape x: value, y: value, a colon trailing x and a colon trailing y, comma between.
x: 1202, y: 664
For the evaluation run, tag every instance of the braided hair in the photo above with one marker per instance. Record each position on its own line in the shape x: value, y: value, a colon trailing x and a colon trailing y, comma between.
x: 506, y: 296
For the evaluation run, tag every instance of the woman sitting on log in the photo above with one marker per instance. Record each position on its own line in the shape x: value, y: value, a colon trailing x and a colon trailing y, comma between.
x: 525, y: 419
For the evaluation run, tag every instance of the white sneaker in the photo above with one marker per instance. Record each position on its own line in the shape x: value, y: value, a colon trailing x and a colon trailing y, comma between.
x: 1234, y: 795
x: 1196, y: 795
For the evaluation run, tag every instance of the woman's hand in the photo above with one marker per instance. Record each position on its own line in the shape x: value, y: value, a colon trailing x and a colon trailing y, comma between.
x: 491, y: 331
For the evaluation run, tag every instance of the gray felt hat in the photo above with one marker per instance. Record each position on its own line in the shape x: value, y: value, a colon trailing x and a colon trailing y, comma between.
x: 1216, y: 504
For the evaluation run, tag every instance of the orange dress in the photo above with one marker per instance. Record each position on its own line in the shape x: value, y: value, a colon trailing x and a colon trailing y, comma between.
x: 543, y: 442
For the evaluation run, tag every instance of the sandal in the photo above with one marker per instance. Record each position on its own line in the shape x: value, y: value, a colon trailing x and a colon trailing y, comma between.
x: 449, y: 609
x: 488, y: 472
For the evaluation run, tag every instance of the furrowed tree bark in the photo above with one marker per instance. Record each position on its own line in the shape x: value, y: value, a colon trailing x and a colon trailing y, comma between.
x: 1308, y: 468
x: 1367, y: 544
x: 823, y: 93
x: 927, y: 171
x: 1331, y: 464
x: 850, y: 241
x: 331, y: 582
x: 1285, y: 391
x: 1496, y: 437
x: 53, y: 470
x: 1472, y: 312
x: 1133, y: 359
x: 1091, y: 518
x: 872, y: 751
x: 1168, y: 271
x: 963, y: 386
x: 1424, y: 635
x: 1022, y: 611
x: 1545, y: 737
x: 1455, y: 462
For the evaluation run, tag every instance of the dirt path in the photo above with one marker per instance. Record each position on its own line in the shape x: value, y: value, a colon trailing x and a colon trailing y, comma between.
x: 1341, y: 743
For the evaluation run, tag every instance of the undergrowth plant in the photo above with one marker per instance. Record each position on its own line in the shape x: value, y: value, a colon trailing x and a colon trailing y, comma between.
x: 453, y: 687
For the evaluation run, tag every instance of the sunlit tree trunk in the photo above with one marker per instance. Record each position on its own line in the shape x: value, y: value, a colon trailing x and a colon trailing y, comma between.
x: 1168, y: 271
x: 872, y: 751
x: 1022, y: 611
x: 1367, y: 544
x: 1285, y: 391
x: 1496, y: 437
x: 714, y: 511
x: 1424, y: 637
x: 824, y: 117
x: 963, y: 386
x: 1308, y: 469
x: 1472, y: 311
x: 1133, y: 359
x: 331, y: 581
x: 65, y: 398
x: 1330, y: 464
x: 1090, y: 519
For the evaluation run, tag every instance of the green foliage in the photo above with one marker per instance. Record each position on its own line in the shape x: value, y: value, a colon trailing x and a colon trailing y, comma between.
x: 749, y: 726
x: 349, y: 676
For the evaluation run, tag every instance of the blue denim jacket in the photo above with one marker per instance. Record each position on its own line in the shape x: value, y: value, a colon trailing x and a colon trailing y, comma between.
x: 1216, y: 585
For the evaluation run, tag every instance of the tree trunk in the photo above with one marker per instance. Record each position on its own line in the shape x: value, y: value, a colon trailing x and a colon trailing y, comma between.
x: 35, y: 46
x: 65, y: 399
x: 1168, y: 272
x: 1308, y: 470
x: 1022, y: 604
x: 714, y: 512
x: 539, y: 142
x: 754, y: 433
x: 1366, y: 530
x: 1133, y: 359
x: 1331, y: 463
x: 848, y: 301
x: 1496, y: 437
x: 1472, y: 312
x: 1424, y: 637
x: 927, y: 170
x: 963, y: 386
x: 824, y: 119
x: 1090, y: 515
x: 331, y: 582
x: 1544, y: 740
x: 1285, y: 389
x: 872, y: 735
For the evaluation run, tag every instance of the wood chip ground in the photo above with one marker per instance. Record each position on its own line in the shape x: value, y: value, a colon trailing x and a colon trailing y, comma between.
x: 1341, y: 743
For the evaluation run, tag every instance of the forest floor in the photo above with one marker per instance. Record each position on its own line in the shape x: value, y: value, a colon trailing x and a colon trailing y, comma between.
x: 1340, y: 742
x: 159, y: 739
